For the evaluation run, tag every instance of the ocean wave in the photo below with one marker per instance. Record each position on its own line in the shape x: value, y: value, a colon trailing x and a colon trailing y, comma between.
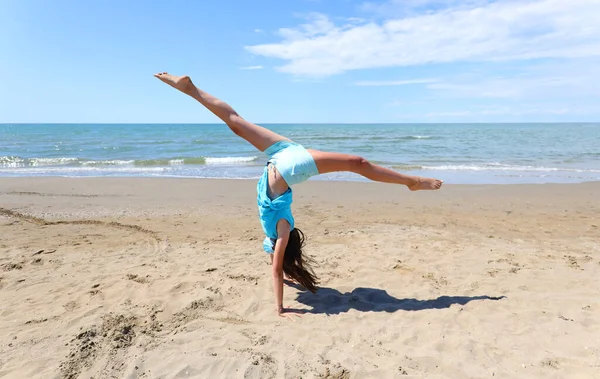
x: 82, y: 170
x: 369, y: 138
x: 51, y: 161
x: 16, y: 162
x: 131, y: 171
x: 229, y: 160
x: 490, y: 167
x: 19, y: 162
x: 10, y: 161
x: 414, y: 137
x: 502, y: 167
x: 407, y: 167
x: 203, y: 142
x: 170, y: 161
x: 115, y: 162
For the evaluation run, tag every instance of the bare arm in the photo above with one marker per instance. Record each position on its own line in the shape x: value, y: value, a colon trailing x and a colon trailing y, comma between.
x: 283, y: 235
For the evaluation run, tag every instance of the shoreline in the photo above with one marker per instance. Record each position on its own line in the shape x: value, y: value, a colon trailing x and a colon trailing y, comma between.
x: 311, y: 180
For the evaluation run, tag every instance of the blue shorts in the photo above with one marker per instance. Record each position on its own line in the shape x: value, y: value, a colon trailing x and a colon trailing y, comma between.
x: 293, y: 161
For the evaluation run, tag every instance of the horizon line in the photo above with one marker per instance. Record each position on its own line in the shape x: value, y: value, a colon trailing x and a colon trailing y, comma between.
x: 302, y: 123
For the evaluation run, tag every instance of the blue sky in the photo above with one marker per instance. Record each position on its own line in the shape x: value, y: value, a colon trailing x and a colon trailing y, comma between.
x: 302, y: 60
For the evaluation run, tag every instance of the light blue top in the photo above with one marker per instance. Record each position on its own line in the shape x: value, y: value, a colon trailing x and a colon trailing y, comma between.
x: 271, y: 211
x: 295, y: 164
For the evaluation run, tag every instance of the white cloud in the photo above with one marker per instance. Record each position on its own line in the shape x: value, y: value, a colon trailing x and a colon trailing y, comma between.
x: 251, y: 68
x: 549, y: 91
x: 499, y: 31
x: 380, y: 83
x: 319, y: 25
x: 258, y: 31
x: 407, y: 7
x: 551, y: 110
x: 355, y: 20
x: 565, y: 79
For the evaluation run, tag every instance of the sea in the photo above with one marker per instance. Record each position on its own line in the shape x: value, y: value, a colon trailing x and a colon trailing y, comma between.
x: 457, y: 153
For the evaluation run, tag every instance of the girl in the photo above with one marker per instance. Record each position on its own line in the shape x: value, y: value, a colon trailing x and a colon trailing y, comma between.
x: 289, y: 164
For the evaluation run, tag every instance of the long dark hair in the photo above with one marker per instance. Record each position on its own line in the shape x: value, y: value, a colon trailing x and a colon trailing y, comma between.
x: 297, y: 265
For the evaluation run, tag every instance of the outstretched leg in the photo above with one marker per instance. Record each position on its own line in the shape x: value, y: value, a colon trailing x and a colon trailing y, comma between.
x: 332, y: 162
x: 259, y: 137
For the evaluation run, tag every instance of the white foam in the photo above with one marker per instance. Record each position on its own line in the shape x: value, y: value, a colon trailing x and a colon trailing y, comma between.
x: 115, y: 162
x: 501, y: 167
x: 81, y: 169
x: 229, y: 160
x: 11, y: 162
x: 51, y: 161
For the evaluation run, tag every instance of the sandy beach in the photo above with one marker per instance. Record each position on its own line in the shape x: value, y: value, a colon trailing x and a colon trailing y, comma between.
x: 165, y: 278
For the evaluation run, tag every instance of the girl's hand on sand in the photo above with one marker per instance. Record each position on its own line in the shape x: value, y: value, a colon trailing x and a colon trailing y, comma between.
x: 282, y: 312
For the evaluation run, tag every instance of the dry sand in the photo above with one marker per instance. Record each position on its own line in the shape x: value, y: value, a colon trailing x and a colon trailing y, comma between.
x: 165, y: 278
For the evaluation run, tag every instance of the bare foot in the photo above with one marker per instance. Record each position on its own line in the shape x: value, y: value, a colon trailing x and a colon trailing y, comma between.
x: 182, y: 83
x: 426, y: 184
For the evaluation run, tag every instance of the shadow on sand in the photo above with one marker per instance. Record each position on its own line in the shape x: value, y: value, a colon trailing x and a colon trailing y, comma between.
x: 331, y: 301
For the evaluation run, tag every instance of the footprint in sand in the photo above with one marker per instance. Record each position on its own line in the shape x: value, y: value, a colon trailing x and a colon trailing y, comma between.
x: 245, y: 278
x: 138, y: 279
x: 549, y: 362
x: 12, y: 266
x: 254, y: 338
x: 261, y: 365
x: 83, y: 352
x: 400, y: 267
x: 108, y: 342
x: 70, y: 306
x: 572, y: 262
x: 442, y: 281
x: 194, y: 311
x: 335, y: 372
x: 37, y: 261
x: 181, y: 287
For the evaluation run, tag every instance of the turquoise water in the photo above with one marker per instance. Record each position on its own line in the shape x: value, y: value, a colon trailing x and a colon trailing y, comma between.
x: 457, y: 153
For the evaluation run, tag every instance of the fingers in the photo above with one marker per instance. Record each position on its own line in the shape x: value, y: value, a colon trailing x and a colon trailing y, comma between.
x: 289, y: 316
x: 290, y: 313
x: 286, y: 315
